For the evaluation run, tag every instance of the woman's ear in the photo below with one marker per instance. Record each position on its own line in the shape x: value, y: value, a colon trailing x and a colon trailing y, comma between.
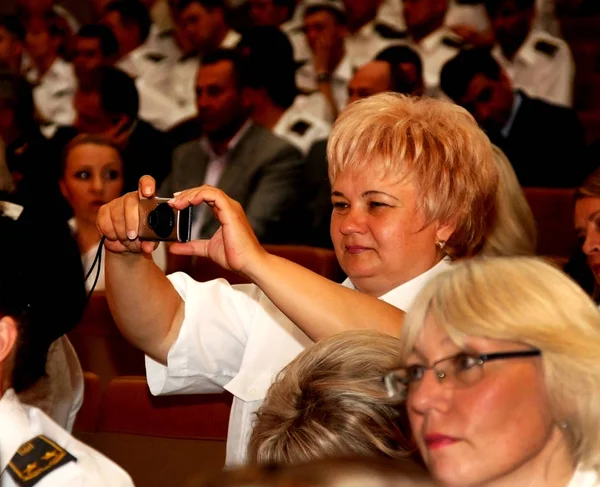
x: 444, y: 231
x: 8, y: 336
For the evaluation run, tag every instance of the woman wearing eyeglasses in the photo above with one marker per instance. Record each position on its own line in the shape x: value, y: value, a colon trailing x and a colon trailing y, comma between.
x: 502, y: 375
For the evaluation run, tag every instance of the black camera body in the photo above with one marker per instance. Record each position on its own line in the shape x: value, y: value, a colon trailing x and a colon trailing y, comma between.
x: 161, y: 222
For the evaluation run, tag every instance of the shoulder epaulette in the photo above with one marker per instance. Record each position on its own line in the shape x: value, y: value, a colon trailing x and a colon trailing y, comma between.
x: 388, y: 32
x: 546, y: 47
x: 35, y: 459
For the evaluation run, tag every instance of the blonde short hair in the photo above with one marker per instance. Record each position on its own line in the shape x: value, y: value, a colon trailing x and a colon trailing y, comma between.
x: 436, y: 145
x: 527, y: 300
x: 331, y: 401
x: 514, y: 231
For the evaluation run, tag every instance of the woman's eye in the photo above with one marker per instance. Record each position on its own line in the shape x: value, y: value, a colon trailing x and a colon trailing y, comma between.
x: 340, y: 205
x: 82, y: 175
x: 415, y: 373
x: 377, y: 204
x: 113, y: 174
x: 465, y: 362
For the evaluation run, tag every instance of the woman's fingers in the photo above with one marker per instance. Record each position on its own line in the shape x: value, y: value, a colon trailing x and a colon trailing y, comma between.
x: 146, y: 187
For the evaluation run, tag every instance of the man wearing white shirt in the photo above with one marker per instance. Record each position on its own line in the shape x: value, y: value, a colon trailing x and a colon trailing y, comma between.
x: 431, y: 38
x: 130, y: 23
x: 327, y: 73
x: 204, y: 25
x: 34, y: 450
x: 537, y: 62
x: 270, y: 58
x: 53, y: 78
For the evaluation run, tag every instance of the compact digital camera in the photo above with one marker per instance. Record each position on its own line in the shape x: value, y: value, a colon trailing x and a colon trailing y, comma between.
x: 159, y: 221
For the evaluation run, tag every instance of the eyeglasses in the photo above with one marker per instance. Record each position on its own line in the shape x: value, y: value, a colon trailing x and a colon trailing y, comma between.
x: 462, y: 370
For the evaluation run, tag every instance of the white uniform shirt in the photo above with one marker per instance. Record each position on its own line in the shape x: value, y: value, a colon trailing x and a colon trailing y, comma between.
x: 306, y: 79
x: 53, y: 94
x: 301, y: 128
x: 235, y: 338
x: 543, y: 68
x: 363, y: 45
x: 435, y: 50
x: 151, y: 69
x: 584, y: 478
x: 20, y: 424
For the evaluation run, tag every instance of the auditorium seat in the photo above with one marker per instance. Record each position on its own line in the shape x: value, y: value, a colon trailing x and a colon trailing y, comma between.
x: 591, y: 124
x: 587, y: 92
x: 160, y: 441
x: 101, y: 347
x: 553, y: 212
x: 87, y: 417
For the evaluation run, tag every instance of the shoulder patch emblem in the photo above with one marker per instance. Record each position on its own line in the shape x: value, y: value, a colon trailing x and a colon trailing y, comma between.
x: 35, y: 459
x: 546, y: 47
x: 300, y: 127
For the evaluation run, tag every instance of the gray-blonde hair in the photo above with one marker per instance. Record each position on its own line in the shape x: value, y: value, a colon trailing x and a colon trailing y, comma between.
x: 331, y: 401
x: 514, y: 231
x: 527, y: 300
x: 436, y: 145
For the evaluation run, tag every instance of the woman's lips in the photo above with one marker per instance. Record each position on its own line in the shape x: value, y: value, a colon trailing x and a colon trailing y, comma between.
x: 435, y: 441
x: 355, y: 249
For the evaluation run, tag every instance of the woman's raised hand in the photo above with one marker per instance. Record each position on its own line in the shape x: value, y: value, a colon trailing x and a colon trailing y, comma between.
x: 119, y: 220
x: 234, y: 246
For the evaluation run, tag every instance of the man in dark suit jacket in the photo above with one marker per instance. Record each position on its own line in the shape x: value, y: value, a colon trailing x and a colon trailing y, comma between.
x: 545, y: 143
x: 256, y: 168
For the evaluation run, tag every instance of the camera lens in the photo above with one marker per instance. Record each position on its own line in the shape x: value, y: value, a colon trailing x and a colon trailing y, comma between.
x: 162, y: 220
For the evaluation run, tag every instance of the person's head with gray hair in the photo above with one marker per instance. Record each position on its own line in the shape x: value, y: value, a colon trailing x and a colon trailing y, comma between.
x: 500, y: 375
x: 330, y: 401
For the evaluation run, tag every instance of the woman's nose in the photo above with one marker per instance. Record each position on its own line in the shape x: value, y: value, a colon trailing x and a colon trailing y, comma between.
x: 591, y: 244
x: 97, y: 184
x: 353, y: 221
x: 429, y: 393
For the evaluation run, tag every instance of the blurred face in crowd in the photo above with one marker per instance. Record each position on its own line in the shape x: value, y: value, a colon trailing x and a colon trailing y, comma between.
x: 93, y: 176
x: 128, y: 37
x: 322, y: 26
x: 221, y: 103
x: 490, y: 101
x: 91, y: 119
x: 11, y: 49
x: 359, y: 12
x: 98, y: 7
x: 201, y: 26
x: 266, y: 13
x: 370, y: 79
x: 493, y: 430
x: 87, y: 56
x: 379, y: 232
x: 587, y: 226
x: 423, y: 15
x: 38, y: 41
x: 511, y: 24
